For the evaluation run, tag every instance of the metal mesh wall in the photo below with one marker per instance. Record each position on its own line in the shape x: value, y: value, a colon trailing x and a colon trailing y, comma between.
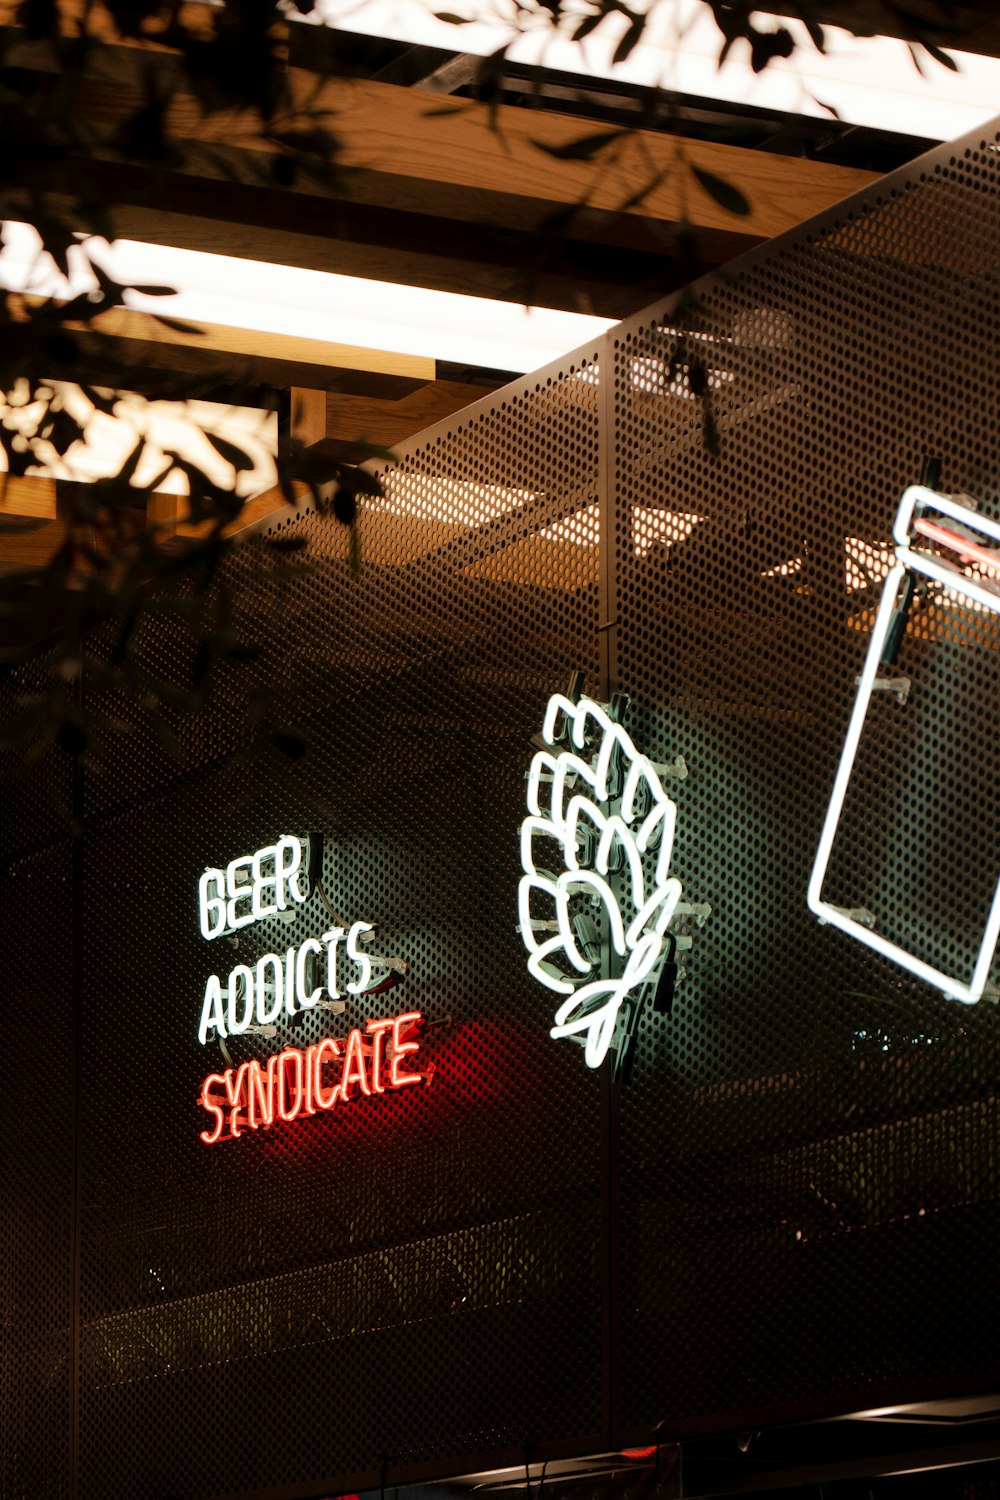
x: 792, y: 1204
x: 808, y: 1148
x: 37, y: 1201
x: 421, y: 1276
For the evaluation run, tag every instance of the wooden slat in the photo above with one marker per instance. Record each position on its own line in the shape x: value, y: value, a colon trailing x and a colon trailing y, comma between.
x: 337, y: 424
x: 402, y: 168
x: 164, y: 516
x: 27, y: 495
x: 107, y: 346
x: 270, y: 502
x: 145, y: 363
x: 274, y: 347
x: 32, y: 549
x: 260, y: 221
x: 396, y: 148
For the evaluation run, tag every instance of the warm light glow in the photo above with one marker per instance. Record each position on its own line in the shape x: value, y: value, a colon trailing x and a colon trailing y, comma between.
x: 866, y: 563
x: 165, y: 427
x: 581, y: 529
x: 909, y: 526
x: 968, y: 549
x: 293, y: 1084
x: 319, y: 305
x: 870, y: 81
x: 660, y: 528
x: 450, y: 502
x: 596, y: 845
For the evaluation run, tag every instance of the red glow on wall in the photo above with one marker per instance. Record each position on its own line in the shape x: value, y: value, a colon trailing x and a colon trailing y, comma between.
x: 293, y: 1083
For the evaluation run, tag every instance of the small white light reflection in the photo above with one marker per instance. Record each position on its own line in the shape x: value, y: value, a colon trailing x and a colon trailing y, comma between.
x: 867, y: 564
x: 660, y: 528
x: 784, y: 570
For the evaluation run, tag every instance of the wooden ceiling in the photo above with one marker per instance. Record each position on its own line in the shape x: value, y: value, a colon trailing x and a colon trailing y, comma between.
x: 424, y: 185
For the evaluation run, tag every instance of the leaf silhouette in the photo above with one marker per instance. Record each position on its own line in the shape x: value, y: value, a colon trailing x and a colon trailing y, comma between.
x: 726, y: 194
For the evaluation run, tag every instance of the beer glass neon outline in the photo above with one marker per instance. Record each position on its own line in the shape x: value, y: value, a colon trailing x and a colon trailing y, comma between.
x: 912, y: 522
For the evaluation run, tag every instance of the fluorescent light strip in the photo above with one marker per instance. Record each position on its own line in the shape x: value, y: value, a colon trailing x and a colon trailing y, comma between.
x: 869, y: 81
x: 314, y: 305
x: 916, y: 495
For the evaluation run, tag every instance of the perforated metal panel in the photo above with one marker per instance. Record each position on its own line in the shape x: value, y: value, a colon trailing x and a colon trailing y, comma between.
x: 418, y: 1275
x: 37, y: 1202
x: 792, y: 1205
x: 808, y: 1164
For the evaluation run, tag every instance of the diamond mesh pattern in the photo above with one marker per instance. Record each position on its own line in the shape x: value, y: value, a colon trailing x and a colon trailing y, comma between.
x: 37, y: 1201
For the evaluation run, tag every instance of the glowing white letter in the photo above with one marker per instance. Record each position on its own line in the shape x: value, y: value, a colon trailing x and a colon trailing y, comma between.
x: 212, y: 903
x: 262, y: 881
x: 239, y: 890
x: 287, y: 870
x: 306, y: 999
x: 332, y: 938
x: 265, y: 1017
x: 364, y: 963
x: 211, y: 1010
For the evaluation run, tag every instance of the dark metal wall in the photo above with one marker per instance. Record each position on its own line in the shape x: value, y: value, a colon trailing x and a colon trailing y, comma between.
x: 792, y: 1206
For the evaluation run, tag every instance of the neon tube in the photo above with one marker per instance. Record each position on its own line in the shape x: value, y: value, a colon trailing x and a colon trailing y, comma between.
x: 985, y: 556
x: 866, y: 80
x: 916, y: 498
x: 292, y: 1085
x: 597, y: 846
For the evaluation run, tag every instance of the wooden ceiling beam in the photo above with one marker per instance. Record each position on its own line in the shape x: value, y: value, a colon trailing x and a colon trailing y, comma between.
x: 335, y: 425
x: 269, y: 358
x: 260, y: 221
x: 396, y: 148
x: 403, y: 170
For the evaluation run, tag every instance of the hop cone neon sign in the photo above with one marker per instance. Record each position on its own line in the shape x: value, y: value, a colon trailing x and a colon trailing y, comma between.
x: 595, y: 929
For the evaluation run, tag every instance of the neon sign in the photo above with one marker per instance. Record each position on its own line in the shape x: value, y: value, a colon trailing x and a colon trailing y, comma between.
x: 260, y: 996
x: 968, y: 538
x: 276, y: 985
x: 598, y: 804
x: 236, y: 896
x: 296, y: 1083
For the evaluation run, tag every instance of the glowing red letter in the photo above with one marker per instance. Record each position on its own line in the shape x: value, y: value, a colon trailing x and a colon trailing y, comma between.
x: 206, y: 1102
x: 397, y: 1079
x: 354, y: 1065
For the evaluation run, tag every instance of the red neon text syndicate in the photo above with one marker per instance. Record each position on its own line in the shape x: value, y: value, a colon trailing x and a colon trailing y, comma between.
x: 296, y: 1083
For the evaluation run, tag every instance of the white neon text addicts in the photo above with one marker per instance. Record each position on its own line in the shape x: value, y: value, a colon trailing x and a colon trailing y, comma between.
x: 258, y: 995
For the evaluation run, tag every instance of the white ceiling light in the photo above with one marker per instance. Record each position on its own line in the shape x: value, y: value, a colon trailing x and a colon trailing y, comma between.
x: 867, y: 80
x: 316, y: 305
